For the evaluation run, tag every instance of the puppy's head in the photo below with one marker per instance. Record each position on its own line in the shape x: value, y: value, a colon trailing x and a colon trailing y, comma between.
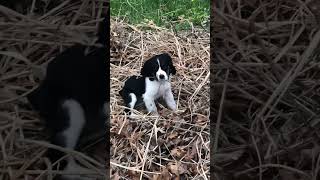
x: 159, y: 67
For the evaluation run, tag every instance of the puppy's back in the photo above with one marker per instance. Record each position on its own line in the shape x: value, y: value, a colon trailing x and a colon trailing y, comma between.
x: 134, y: 85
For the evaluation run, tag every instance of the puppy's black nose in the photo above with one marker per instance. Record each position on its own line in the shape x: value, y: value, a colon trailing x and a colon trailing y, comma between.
x: 161, y: 76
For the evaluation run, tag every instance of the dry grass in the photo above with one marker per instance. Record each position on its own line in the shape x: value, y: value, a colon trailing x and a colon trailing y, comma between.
x: 266, y: 85
x: 176, y: 144
x: 28, y: 41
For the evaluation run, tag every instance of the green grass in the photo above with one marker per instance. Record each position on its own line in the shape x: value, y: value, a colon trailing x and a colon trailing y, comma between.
x: 181, y: 13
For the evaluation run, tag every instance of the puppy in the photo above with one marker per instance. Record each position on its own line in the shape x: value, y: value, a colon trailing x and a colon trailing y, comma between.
x: 73, y: 96
x: 154, y: 83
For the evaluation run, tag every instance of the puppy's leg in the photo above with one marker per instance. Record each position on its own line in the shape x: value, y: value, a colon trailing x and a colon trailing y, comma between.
x: 73, y: 168
x: 72, y: 133
x: 150, y: 105
x: 132, y: 103
x: 168, y: 97
x: 76, y: 122
x: 130, y: 100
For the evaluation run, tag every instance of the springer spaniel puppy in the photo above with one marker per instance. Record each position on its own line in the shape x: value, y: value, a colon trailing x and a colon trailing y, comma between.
x: 73, y: 97
x: 154, y: 83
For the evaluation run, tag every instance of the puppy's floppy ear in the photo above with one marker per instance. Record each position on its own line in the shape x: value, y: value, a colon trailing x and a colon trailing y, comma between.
x: 146, y: 70
x: 173, y: 70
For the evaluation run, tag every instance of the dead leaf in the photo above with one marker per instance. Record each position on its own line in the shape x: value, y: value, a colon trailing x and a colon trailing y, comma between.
x: 115, y: 176
x: 178, y: 152
x: 227, y: 157
x: 156, y: 177
x: 165, y: 175
x: 308, y: 154
x: 285, y: 175
x: 134, y: 175
x: 177, y: 168
x: 200, y: 119
x: 173, y: 135
x: 191, y: 155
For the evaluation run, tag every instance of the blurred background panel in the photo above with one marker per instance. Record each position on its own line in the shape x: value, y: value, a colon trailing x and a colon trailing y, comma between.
x: 32, y: 33
x: 265, y: 90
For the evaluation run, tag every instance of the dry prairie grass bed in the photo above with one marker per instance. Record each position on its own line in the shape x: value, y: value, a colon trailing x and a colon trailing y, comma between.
x: 29, y: 39
x: 266, y: 90
x: 175, y: 145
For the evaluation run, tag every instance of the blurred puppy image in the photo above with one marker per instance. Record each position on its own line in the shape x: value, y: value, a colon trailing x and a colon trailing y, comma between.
x: 73, y: 96
x: 153, y: 84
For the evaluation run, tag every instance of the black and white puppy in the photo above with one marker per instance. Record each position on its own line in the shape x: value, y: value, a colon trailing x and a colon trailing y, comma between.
x: 73, y: 96
x: 154, y: 83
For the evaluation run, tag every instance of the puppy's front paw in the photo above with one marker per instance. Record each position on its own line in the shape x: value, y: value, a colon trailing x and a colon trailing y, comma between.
x: 172, y: 105
x: 153, y: 113
x: 174, y: 108
x: 133, y: 116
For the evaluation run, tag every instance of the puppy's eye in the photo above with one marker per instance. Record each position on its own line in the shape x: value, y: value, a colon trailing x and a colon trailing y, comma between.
x: 164, y: 67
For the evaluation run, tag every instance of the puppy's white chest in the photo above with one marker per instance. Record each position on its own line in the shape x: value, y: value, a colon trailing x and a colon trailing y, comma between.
x: 156, y: 89
x: 162, y: 88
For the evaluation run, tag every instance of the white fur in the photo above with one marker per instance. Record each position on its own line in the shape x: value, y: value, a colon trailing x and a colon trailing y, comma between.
x: 161, y: 72
x: 168, y: 97
x: 72, y: 134
x: 132, y: 103
x: 155, y: 90
x: 76, y: 122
